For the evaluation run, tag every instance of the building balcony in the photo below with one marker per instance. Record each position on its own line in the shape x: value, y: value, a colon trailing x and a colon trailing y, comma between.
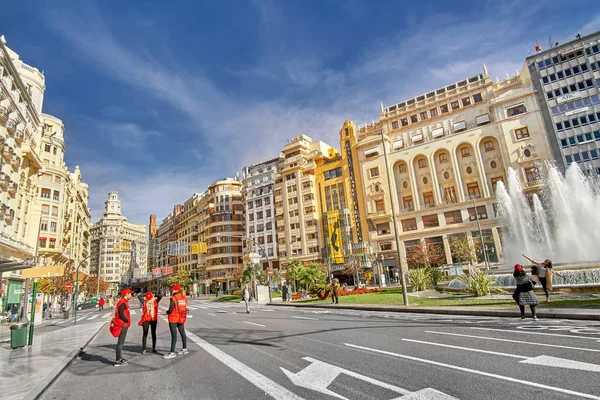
x: 3, y: 209
x: 12, y: 188
x: 3, y: 145
x: 3, y: 113
x: 4, y: 180
x: 19, y: 136
x: 376, y: 214
x: 7, y: 153
x: 534, y: 184
x: 16, y: 161
x: 9, y: 216
x: 11, y: 125
x: 428, y: 205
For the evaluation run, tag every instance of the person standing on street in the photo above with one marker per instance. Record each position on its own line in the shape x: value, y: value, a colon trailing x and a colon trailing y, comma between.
x: 335, y: 286
x: 177, y: 315
x: 544, y: 274
x: 246, y: 297
x: 111, y: 303
x: 101, y: 304
x: 122, y: 313
x: 150, y: 319
x: 523, y: 293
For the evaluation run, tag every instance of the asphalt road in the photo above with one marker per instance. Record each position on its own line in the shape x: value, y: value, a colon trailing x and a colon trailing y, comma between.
x: 304, y: 353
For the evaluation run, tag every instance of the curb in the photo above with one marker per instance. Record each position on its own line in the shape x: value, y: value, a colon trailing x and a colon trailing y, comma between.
x: 52, y: 376
x: 484, y: 313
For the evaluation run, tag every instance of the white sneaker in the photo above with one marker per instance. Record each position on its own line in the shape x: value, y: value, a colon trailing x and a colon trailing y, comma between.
x: 183, y: 351
x: 169, y: 355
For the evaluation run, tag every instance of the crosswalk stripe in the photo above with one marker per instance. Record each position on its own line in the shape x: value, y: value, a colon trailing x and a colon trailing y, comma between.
x: 106, y: 316
x: 133, y: 312
x: 93, y: 317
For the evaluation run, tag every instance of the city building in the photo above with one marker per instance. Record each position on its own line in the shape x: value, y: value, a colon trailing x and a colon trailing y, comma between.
x: 119, y: 248
x: 296, y: 206
x: 447, y: 150
x: 153, y: 243
x: 338, y: 185
x: 258, y: 191
x: 77, y: 226
x: 567, y: 80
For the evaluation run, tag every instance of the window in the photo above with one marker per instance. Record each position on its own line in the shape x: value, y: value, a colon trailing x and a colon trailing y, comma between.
x: 443, y: 157
x: 559, y: 126
x: 464, y: 152
x: 568, y: 72
x: 444, y: 108
x: 42, y: 242
x: 54, y: 211
x: 47, y: 148
x: 545, y: 79
x: 569, y: 159
x: 402, y: 168
x: 552, y: 78
x: 422, y: 163
x: 56, y: 195
x: 395, y: 125
x: 455, y: 105
x: 423, y: 115
x: 407, y: 203
x: 337, y: 172
x: 414, y: 119
x: 52, y: 243
x: 576, y: 69
x: 44, y: 226
x: 45, y: 209
x: 482, y: 119
x: 513, y: 111
x: 374, y: 172
x: 473, y: 190
x: 404, y: 122
x: 433, y: 112
x: 488, y: 145
x: 481, y: 213
x: 572, y: 141
x: 46, y: 193
x: 466, y: 101
x: 379, y: 206
x: 428, y: 200
x: 581, y: 85
x: 495, y: 181
x: 560, y: 75
x: 521, y: 133
x: 564, y: 143
x: 550, y: 95
x: 531, y: 174
x: 52, y: 226
x: 585, y: 155
x: 594, y: 154
x: 477, y: 98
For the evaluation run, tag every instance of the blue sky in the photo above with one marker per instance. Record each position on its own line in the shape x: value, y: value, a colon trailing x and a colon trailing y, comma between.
x: 161, y: 98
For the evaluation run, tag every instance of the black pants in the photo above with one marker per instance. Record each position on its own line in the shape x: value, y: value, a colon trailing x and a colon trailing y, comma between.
x: 544, y: 283
x: 145, y: 326
x: 120, y: 342
x: 334, y: 297
x: 522, y: 308
x: 173, y: 327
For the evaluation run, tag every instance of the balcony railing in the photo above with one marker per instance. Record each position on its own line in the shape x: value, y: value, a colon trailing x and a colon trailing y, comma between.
x: 4, y: 180
x: 11, y: 125
x: 9, y: 216
x: 429, y: 205
x: 16, y: 161
x: 7, y: 153
x: 3, y: 113
x: 19, y: 136
x: 12, y: 188
x: 534, y: 183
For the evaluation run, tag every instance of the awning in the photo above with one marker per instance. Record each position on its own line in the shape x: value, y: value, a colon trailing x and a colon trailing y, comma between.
x: 417, y: 138
x: 43, y: 238
x: 53, y: 239
x: 460, y: 125
x: 398, y: 144
x: 437, y: 132
x: 482, y: 119
x: 371, y: 152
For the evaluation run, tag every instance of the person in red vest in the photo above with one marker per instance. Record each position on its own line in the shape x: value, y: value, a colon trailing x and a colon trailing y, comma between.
x: 150, y: 319
x: 122, y: 313
x: 101, y: 304
x: 177, y: 315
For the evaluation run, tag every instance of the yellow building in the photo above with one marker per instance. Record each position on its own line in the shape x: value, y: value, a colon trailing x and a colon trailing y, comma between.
x: 447, y: 149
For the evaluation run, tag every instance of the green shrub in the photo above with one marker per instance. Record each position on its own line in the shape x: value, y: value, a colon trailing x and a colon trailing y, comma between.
x: 436, y: 275
x: 420, y: 278
x: 478, y: 283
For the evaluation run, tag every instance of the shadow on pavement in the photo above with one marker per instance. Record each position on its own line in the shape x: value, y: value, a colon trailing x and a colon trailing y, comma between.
x: 83, y: 356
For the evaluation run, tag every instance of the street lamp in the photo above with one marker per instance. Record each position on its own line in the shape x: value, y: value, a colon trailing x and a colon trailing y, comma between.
x: 483, y: 249
x: 389, y: 181
x: 77, y: 289
x: 264, y: 252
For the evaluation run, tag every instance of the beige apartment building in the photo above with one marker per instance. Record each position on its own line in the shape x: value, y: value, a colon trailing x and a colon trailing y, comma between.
x: 447, y: 149
x: 296, y: 205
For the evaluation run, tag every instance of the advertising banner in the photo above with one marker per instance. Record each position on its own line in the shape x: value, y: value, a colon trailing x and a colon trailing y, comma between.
x: 335, y: 239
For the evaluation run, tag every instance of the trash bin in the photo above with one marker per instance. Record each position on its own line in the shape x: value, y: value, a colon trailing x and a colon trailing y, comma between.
x: 18, y: 335
x: 65, y: 314
x: 284, y: 293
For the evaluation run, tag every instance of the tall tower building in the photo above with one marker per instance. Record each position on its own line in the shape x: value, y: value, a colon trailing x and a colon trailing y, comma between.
x: 119, y: 248
x: 153, y: 243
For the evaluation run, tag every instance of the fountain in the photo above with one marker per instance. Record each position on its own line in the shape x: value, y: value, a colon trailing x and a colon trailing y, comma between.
x: 561, y: 224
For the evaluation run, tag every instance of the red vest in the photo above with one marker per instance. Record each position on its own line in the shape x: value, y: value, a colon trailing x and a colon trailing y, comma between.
x: 146, y: 317
x: 123, y: 301
x: 179, y: 314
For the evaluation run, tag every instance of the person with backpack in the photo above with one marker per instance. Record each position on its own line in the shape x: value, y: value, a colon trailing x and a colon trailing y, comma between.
x: 121, y: 319
x: 177, y: 315
x: 149, y: 319
x: 101, y: 304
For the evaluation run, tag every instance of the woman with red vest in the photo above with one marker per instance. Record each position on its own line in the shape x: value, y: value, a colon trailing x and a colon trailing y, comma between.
x: 122, y: 314
x: 150, y: 319
x: 177, y: 315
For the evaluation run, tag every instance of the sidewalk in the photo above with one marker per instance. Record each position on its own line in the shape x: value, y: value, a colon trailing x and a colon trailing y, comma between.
x: 512, y: 312
x: 28, y: 371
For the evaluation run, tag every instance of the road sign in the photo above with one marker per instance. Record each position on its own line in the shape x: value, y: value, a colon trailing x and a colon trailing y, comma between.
x: 68, y: 286
x: 270, y: 272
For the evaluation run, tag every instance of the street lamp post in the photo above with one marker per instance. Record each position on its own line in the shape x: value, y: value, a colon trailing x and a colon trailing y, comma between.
x: 485, y: 256
x: 77, y: 289
x: 389, y: 181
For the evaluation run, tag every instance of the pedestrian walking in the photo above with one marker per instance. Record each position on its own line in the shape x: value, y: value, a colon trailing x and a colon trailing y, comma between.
x: 111, y: 303
x: 149, y: 319
x: 101, y: 304
x: 246, y: 294
x: 141, y: 299
x: 177, y: 315
x: 335, y: 286
x: 523, y: 293
x: 544, y: 272
x: 122, y: 315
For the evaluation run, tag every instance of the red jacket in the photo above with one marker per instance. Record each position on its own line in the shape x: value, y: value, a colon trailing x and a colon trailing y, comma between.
x: 123, y: 301
x: 101, y: 302
x: 179, y: 314
x: 146, y: 317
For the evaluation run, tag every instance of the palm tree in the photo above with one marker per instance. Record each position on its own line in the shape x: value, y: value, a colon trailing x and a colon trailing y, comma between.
x: 292, y: 273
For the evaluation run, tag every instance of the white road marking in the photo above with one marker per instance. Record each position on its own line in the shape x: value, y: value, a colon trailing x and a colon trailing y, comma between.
x: 62, y: 322
x: 133, y: 312
x: 106, y: 316
x: 252, y: 323
x: 518, y: 381
x: 257, y: 379
x: 514, y: 341
x: 536, y: 333
x: 214, y: 315
x: 466, y: 348
x: 295, y: 316
x: 93, y: 317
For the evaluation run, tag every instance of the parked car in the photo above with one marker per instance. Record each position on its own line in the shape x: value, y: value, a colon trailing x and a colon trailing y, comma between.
x: 86, y: 305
